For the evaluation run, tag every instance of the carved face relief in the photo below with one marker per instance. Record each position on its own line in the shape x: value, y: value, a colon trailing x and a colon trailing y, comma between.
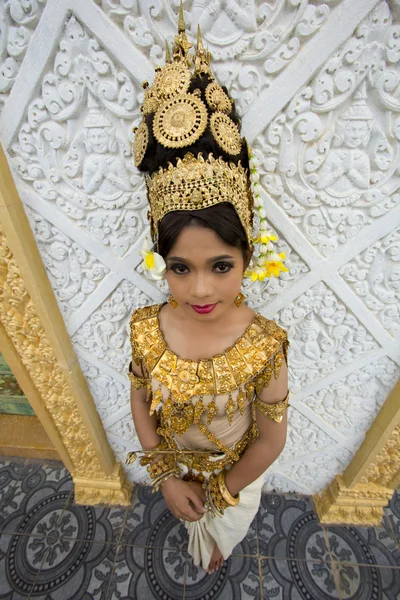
x: 98, y: 139
x: 355, y: 133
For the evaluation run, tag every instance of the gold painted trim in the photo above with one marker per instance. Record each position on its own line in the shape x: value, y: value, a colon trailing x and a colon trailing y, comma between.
x: 366, y: 486
x: 51, y: 376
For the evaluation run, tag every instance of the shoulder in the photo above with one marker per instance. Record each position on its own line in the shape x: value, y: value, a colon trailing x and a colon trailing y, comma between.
x: 271, y: 328
x: 144, y: 314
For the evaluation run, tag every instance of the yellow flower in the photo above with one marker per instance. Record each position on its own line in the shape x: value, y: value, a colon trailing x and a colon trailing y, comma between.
x: 275, y: 266
x: 264, y: 238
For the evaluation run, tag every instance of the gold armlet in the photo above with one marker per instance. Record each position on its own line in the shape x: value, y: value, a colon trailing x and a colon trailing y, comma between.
x: 227, y: 496
x: 138, y: 382
x: 274, y: 412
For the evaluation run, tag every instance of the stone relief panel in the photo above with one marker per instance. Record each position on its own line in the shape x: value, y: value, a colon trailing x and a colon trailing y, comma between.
x: 73, y: 149
x: 18, y: 19
x: 74, y: 273
x: 374, y: 275
x: 329, y: 165
x: 324, y: 335
x: 105, y: 335
x: 351, y: 404
x: 330, y: 159
x: 251, y: 41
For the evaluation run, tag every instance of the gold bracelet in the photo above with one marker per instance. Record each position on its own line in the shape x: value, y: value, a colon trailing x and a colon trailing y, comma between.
x: 163, y: 477
x: 214, y: 496
x: 274, y: 412
x: 227, y: 496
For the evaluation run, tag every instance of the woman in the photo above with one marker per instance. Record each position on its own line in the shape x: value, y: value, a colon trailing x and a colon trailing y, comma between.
x: 209, y: 376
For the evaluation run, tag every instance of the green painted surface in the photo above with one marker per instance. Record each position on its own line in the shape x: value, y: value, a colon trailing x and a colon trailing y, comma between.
x: 12, y: 399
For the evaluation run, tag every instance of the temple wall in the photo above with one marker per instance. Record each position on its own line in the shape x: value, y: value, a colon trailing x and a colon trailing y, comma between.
x: 318, y: 88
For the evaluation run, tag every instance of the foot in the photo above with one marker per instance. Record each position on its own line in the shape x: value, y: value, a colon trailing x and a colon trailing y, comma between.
x: 216, y: 560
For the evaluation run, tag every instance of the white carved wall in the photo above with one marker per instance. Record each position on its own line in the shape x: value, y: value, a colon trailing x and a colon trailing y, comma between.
x: 70, y: 90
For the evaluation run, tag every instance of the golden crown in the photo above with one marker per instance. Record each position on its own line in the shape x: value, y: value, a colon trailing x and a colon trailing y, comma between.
x: 176, y: 118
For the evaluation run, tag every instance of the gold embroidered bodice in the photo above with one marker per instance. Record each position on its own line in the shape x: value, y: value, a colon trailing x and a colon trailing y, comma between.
x: 195, y: 396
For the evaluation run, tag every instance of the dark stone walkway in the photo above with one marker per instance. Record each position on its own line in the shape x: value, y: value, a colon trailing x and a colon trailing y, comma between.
x: 51, y: 549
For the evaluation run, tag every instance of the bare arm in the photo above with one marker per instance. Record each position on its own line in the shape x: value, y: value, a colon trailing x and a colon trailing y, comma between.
x: 270, y: 443
x: 145, y: 425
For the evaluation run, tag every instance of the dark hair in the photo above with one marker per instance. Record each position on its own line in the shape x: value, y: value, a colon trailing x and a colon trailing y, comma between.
x: 221, y: 218
x: 158, y: 155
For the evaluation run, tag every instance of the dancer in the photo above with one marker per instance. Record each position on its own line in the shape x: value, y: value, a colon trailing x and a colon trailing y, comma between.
x: 209, y: 376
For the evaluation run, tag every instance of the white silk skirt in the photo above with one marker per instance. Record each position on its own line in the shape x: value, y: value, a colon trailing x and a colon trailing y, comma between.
x: 226, y: 531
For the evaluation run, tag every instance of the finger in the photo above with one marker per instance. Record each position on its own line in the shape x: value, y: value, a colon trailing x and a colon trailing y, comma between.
x: 191, y: 514
x: 196, y: 501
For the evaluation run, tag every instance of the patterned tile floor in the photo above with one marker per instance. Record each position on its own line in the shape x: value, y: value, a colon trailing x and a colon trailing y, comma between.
x: 51, y: 549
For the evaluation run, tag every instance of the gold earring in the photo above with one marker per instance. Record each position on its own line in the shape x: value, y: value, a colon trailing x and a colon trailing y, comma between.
x: 239, y: 299
x: 172, y: 302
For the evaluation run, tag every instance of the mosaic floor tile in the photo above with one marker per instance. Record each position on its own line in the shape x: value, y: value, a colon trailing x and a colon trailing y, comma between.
x: 363, y: 545
x: 148, y: 573
x: 150, y: 523
x: 368, y: 583
x: 298, y: 580
x: 96, y: 524
x: 238, y: 579
x: 288, y: 528
x: 37, y: 493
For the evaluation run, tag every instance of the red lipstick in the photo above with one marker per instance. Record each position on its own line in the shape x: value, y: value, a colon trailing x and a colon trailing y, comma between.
x: 206, y: 308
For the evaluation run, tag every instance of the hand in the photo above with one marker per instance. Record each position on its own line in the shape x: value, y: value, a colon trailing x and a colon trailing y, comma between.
x: 183, y: 499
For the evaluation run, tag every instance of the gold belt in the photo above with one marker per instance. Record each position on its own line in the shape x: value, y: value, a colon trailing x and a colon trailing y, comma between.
x: 200, y: 460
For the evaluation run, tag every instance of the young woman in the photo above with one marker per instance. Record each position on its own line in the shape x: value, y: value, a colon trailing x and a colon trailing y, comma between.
x: 209, y: 376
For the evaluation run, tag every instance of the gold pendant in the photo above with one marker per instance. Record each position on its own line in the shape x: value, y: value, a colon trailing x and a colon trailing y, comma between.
x: 241, y: 401
x: 211, y: 411
x: 168, y: 407
x: 157, y: 398
x: 198, y: 410
x: 230, y: 409
x: 182, y: 418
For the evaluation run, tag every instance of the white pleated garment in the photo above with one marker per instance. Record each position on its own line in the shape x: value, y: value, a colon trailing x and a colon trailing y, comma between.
x: 225, y: 531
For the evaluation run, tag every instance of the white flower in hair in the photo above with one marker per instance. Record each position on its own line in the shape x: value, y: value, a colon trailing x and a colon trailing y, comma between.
x: 153, y: 263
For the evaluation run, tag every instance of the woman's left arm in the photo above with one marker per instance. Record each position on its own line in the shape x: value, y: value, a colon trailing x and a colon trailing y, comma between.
x: 271, y: 441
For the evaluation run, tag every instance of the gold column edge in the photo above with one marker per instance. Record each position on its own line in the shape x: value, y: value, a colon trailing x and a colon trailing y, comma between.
x: 366, y: 486
x: 50, y: 366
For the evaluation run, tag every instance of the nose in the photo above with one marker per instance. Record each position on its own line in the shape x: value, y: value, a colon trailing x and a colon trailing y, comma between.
x: 202, y: 288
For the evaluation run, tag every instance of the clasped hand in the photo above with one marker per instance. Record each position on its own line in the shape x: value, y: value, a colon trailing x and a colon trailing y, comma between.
x: 185, y: 499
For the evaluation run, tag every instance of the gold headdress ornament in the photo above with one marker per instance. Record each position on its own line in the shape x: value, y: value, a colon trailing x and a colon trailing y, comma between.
x: 176, y: 114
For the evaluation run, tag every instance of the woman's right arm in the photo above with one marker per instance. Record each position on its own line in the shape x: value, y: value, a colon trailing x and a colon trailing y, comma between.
x: 145, y: 425
x: 183, y: 500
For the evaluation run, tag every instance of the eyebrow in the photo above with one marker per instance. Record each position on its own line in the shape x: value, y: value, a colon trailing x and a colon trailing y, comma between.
x: 214, y: 259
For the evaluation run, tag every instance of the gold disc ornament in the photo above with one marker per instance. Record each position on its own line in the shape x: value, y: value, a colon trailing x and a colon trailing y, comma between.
x: 226, y: 133
x: 179, y: 122
x: 172, y: 80
x: 217, y: 99
x: 140, y: 143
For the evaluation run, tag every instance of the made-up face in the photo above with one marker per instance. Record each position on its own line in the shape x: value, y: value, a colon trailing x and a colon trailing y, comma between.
x: 204, y: 273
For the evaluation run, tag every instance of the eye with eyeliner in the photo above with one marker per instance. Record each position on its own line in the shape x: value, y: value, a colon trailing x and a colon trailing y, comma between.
x: 219, y: 267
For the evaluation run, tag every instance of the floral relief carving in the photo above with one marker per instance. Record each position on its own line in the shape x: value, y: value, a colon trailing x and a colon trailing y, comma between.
x: 109, y: 394
x: 374, y: 275
x: 18, y: 19
x: 385, y: 465
x: 330, y: 159
x: 74, y: 273
x: 316, y: 472
x: 351, y: 404
x: 23, y: 326
x: 303, y: 437
x: 324, y: 335
x: 105, y: 335
x: 74, y: 147
x: 250, y: 41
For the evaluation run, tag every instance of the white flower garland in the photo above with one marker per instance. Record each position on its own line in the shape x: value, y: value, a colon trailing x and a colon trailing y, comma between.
x: 266, y: 262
